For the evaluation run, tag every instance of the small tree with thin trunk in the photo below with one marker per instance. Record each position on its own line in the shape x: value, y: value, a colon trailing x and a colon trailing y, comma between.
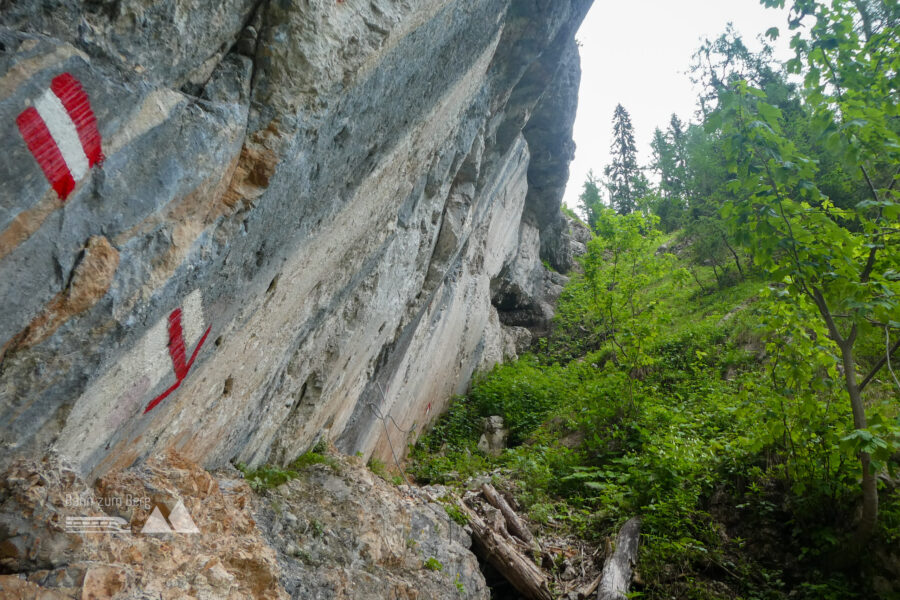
x: 837, y: 268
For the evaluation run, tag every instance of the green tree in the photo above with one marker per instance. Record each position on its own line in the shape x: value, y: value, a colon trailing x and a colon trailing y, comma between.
x: 590, y: 201
x: 710, y: 247
x: 620, y: 264
x: 669, y: 163
x: 718, y: 63
x: 835, y: 267
x: 623, y: 176
x: 669, y: 160
x: 677, y: 137
x: 640, y: 190
x: 663, y: 163
x: 704, y: 179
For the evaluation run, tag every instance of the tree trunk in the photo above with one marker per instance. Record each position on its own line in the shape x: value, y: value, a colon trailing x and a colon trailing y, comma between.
x: 514, y: 524
x: 869, y: 482
x: 737, y: 261
x: 588, y: 590
x: 616, y: 577
x: 697, y: 279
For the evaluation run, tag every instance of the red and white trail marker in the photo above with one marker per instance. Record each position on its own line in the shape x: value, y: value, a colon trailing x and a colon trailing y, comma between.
x: 138, y: 380
x: 191, y: 315
x: 60, y: 130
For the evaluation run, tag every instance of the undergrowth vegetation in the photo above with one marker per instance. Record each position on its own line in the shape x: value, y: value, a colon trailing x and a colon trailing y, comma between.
x: 267, y: 477
x: 673, y: 414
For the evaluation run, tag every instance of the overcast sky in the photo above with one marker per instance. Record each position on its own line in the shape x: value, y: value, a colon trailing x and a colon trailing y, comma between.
x: 637, y: 52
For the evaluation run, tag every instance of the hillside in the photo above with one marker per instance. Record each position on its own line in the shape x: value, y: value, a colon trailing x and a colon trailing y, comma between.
x: 738, y: 494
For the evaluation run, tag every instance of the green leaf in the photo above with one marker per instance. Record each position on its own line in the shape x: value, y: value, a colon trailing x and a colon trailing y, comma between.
x: 755, y: 92
x: 713, y: 122
x: 771, y: 114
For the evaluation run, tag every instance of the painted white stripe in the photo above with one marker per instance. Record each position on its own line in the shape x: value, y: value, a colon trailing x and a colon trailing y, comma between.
x: 192, y: 324
x: 64, y: 133
x: 152, y: 358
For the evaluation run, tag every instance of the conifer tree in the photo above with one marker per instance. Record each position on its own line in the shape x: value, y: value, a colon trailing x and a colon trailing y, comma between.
x: 669, y: 159
x: 677, y: 137
x: 623, y: 174
x: 664, y: 163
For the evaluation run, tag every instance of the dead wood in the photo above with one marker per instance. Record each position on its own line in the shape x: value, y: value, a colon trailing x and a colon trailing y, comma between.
x: 616, y: 577
x: 514, y: 524
x: 516, y: 567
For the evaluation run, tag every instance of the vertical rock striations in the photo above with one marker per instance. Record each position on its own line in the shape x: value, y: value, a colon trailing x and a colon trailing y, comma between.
x: 313, y: 218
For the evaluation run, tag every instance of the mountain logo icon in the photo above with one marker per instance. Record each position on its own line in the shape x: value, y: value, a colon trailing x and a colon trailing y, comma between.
x: 179, y: 521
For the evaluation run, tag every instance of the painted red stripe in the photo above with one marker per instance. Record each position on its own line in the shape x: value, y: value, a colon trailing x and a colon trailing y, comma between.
x: 197, y: 349
x: 178, y: 363
x: 176, y: 345
x: 76, y: 103
x: 162, y: 397
x: 46, y: 152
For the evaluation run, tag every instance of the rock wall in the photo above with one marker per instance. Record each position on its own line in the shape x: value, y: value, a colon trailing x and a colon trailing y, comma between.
x: 311, y: 218
x: 334, y: 532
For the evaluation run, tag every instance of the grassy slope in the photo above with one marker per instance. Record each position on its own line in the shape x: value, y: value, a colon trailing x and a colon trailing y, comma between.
x: 695, y: 446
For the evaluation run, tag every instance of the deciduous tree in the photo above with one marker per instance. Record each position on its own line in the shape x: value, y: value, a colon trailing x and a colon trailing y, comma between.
x: 837, y: 265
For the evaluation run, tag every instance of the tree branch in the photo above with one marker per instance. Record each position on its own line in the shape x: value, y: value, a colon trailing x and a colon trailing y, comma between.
x: 790, y: 230
x: 866, y: 18
x: 870, y: 264
x: 819, y: 299
x: 878, y: 366
x: 893, y: 179
x: 869, y: 183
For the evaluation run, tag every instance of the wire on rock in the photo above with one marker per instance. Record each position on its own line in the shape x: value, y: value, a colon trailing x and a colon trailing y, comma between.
x: 384, y: 419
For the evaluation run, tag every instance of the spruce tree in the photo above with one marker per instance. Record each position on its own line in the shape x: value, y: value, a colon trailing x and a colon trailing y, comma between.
x: 623, y: 173
x: 677, y: 137
x: 664, y: 164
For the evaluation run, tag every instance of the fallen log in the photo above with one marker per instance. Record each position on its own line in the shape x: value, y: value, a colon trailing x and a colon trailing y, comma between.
x: 514, y: 524
x: 616, y: 577
x: 517, y: 568
x: 588, y: 590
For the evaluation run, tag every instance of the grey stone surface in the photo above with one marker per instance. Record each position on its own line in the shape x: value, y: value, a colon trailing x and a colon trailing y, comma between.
x: 357, y: 197
x: 169, y: 42
x: 356, y: 536
x: 493, y: 440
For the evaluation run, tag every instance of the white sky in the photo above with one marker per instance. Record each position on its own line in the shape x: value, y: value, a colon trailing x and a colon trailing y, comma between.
x: 637, y: 52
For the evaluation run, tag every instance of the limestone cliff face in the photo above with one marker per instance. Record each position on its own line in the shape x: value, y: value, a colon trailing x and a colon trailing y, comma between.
x: 310, y: 215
